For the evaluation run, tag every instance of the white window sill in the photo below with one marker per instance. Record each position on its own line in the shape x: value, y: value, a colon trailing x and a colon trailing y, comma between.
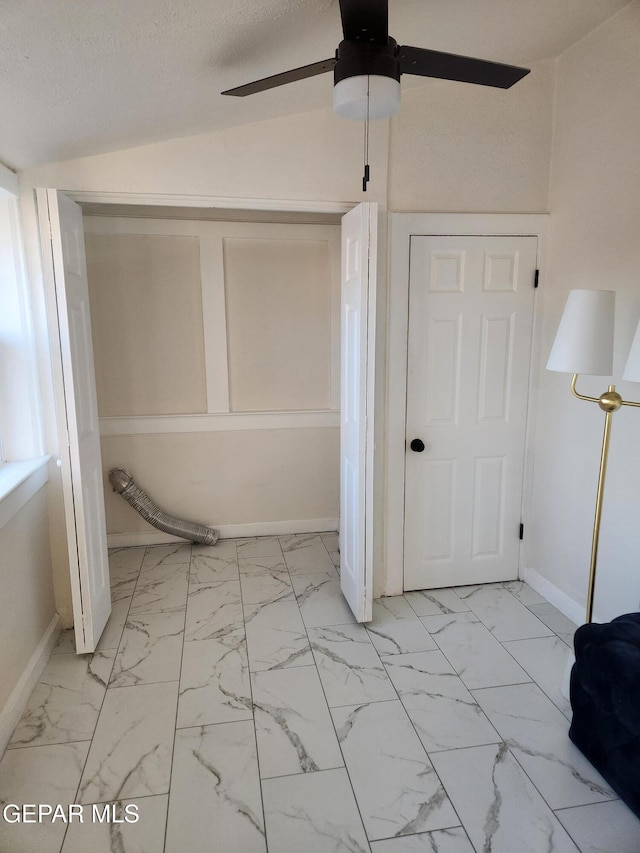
x: 19, y: 481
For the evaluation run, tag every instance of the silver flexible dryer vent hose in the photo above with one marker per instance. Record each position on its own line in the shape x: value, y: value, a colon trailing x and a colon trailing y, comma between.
x: 123, y: 482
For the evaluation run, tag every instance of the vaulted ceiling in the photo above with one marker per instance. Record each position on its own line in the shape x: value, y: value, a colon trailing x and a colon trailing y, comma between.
x: 80, y: 77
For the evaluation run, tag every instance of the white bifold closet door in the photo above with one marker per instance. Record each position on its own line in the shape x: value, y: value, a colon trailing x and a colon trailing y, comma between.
x: 358, y: 309
x: 62, y: 239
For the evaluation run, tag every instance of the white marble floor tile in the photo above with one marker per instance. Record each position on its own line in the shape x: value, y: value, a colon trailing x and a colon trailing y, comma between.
x: 130, y: 754
x: 158, y: 555
x: 123, y: 586
x: 214, y: 562
x: 146, y: 835
x: 213, y: 610
x: 502, y: 613
x: 123, y: 589
x: 294, y: 730
x: 264, y: 588
x: 523, y: 592
x: 314, y: 813
x: 536, y: 732
x: 112, y: 633
x: 331, y: 541
x: 499, y: 807
x: 321, y: 601
x: 453, y: 840
x: 444, y: 713
x: 544, y: 659
x: 274, y: 566
x: 433, y: 602
x: 161, y: 589
x: 150, y: 649
x: 335, y: 559
x: 215, y: 791
x: 602, y: 828
x: 225, y: 545
x: 473, y: 651
x: 126, y: 559
x: 296, y: 541
x: 39, y: 775
x: 306, y: 555
x: 124, y: 568
x: 557, y: 621
x: 398, y: 636
x: 350, y: 669
x: 65, y: 704
x: 392, y: 607
x: 263, y: 546
x: 276, y: 636
x: 214, y: 683
x: 396, y: 787
x: 66, y: 644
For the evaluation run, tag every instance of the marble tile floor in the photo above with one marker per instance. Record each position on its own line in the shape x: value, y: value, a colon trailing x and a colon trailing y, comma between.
x: 234, y: 706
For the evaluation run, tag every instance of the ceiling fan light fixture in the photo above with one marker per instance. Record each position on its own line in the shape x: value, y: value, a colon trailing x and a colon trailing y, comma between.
x: 350, y: 97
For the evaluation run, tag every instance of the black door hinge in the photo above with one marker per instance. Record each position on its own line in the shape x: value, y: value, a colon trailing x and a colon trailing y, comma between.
x: 536, y: 278
x: 521, y: 530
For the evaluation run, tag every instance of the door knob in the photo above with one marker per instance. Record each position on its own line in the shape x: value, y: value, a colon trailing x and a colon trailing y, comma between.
x: 417, y: 445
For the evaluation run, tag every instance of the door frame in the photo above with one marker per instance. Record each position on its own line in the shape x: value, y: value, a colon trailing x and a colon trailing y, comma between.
x: 402, y: 226
x: 204, y: 201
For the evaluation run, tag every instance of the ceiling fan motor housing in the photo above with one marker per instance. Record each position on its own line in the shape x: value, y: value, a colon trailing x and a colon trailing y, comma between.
x: 361, y: 58
x: 366, y: 80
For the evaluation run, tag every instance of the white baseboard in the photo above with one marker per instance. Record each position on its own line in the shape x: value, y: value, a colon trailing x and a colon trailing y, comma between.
x: 571, y: 609
x: 228, y: 531
x: 17, y: 702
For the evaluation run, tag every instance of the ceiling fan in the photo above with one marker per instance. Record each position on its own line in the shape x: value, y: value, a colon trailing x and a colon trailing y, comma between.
x: 368, y: 64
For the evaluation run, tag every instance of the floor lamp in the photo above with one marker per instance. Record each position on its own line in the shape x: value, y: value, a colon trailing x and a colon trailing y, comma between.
x: 584, y: 344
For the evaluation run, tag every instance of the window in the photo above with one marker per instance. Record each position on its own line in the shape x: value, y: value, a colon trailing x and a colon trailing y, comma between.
x: 21, y: 446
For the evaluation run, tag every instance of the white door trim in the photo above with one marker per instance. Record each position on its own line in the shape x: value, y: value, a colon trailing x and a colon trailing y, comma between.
x: 402, y: 227
x: 227, y: 202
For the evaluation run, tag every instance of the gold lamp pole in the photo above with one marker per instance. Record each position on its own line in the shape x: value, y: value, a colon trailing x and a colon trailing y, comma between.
x: 584, y: 345
x: 609, y: 402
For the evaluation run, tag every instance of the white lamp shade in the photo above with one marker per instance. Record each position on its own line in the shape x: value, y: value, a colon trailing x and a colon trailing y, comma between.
x: 584, y: 340
x: 350, y: 97
x: 632, y: 369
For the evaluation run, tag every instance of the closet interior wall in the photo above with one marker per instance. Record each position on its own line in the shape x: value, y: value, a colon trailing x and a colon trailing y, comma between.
x: 216, y: 340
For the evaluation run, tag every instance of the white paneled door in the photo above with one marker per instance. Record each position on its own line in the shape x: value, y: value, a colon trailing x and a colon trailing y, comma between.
x: 79, y: 435
x: 469, y: 350
x: 358, y: 308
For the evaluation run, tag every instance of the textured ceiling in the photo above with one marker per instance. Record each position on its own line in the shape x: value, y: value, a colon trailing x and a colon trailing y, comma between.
x: 80, y: 77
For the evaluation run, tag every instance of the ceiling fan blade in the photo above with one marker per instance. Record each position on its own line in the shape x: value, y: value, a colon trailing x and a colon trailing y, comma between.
x: 449, y: 66
x: 365, y: 20
x: 285, y: 77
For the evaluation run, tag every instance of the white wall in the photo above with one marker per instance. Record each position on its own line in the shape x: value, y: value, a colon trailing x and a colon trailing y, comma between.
x: 238, y: 477
x: 456, y: 148
x: 27, y: 590
x: 146, y: 322
x: 314, y: 155
x: 595, y: 193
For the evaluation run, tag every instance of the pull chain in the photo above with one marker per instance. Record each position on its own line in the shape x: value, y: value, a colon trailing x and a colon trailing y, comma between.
x: 365, y: 178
